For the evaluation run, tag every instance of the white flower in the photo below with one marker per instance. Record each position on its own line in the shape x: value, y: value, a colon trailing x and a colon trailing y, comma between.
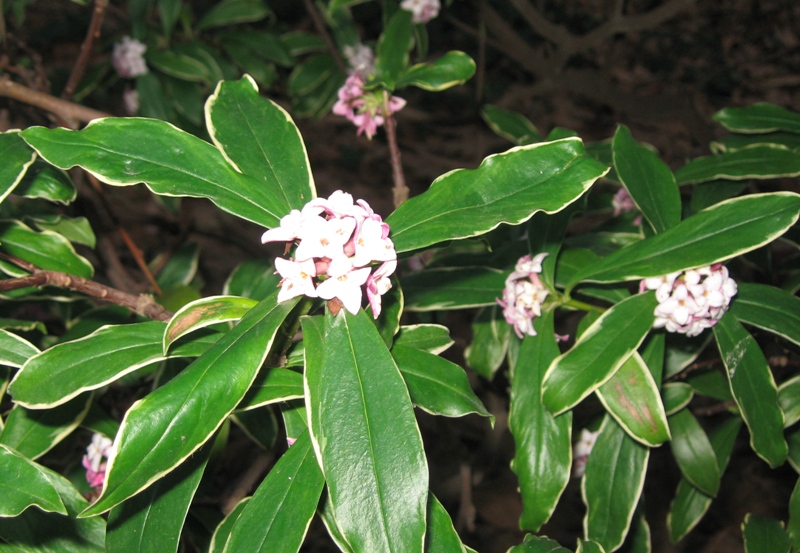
x: 339, y: 242
x: 360, y: 59
x: 524, y: 294
x: 692, y: 300
x: 130, y: 97
x: 581, y: 450
x: 128, y: 57
x: 99, y: 447
x: 422, y: 10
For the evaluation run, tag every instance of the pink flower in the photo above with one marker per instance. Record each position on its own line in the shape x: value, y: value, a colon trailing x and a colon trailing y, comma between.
x: 99, y: 448
x: 128, y: 57
x: 692, y: 300
x: 422, y: 10
x: 524, y: 294
x: 364, y: 108
x: 623, y: 203
x: 581, y: 450
x: 338, y: 242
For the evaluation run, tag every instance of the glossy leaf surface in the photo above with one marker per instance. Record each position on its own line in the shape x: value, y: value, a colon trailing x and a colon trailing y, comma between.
x: 693, y: 453
x: 15, y: 350
x: 648, y: 180
x: 169, y: 161
x: 17, y: 157
x: 365, y: 436
x: 490, y: 335
x: 543, y: 448
x: 506, y: 188
x: 271, y: 386
x: 598, y: 353
x: 160, y: 431
x: 452, y: 69
x: 46, y: 249
x: 464, y: 287
x: 725, y: 230
x: 753, y: 389
x: 260, y: 139
x: 538, y: 544
x: 223, y: 530
x: 205, y: 312
x: 758, y: 118
x: 764, y: 535
x: 769, y: 308
x: 758, y: 162
x: 441, y: 536
x: 631, y: 396
x: 511, y: 125
x: 432, y: 338
x: 278, y: 515
x: 24, y: 484
x: 436, y: 385
x: 612, y: 485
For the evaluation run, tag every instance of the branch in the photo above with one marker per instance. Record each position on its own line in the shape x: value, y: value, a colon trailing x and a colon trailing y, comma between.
x: 319, y: 25
x: 86, y: 49
x: 509, y: 42
x: 143, y: 304
x: 62, y: 108
x: 400, y: 190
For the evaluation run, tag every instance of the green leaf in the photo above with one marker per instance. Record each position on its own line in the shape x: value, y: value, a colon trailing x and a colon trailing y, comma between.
x: 538, y: 544
x: 365, y: 436
x: 169, y: 161
x: 490, y: 335
x: 62, y: 372
x: 789, y: 400
x: 693, y: 453
x: 272, y: 386
x: 23, y: 484
x: 734, y: 142
x: 452, y: 69
x: 75, y: 229
x: 758, y: 118
x: 231, y: 12
x: 45, y: 181
x: 465, y: 287
x: 205, y: 312
x: 180, y: 267
x: 17, y: 157
x: 793, y: 525
x: 758, y: 162
x: 223, y: 530
x: 432, y: 338
x: 35, y: 531
x: 680, y: 352
x: 35, y: 432
x: 726, y: 230
x: 690, y: 504
x: 160, y: 431
x: 768, y: 308
x: 14, y: 350
x: 47, y: 250
x: 507, y: 188
x: 631, y: 396
x: 277, y: 517
x: 441, y: 536
x: 265, y: 45
x: 392, y: 49
x: 436, y: 385
x: 511, y: 125
x: 598, y: 353
x: 169, y: 11
x: 543, y: 447
x: 254, y: 278
x: 180, y: 65
x: 259, y: 424
x: 648, y: 180
x: 612, y: 485
x: 260, y: 139
x: 153, y: 520
x: 711, y: 383
x: 392, y: 307
x: 676, y: 396
x: 764, y: 535
x: 753, y: 389
x: 589, y: 547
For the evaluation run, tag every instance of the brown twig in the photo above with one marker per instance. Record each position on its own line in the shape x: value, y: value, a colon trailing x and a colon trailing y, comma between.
x: 66, y: 110
x: 143, y: 304
x: 400, y: 190
x: 319, y: 25
x: 247, y: 481
x: 86, y: 49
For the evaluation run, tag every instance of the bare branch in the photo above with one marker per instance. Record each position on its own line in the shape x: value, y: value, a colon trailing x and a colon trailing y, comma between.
x: 66, y: 110
x: 400, y: 190
x: 86, y: 49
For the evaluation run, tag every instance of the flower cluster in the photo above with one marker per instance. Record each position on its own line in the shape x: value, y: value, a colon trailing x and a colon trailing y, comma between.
x: 581, y: 450
x: 365, y: 109
x: 524, y: 294
x: 338, y: 242
x: 422, y: 10
x: 360, y: 58
x: 693, y: 300
x: 128, y: 57
x: 623, y: 203
x: 99, y: 448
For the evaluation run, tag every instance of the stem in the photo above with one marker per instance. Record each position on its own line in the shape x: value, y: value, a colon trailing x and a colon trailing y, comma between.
x: 143, y: 304
x: 279, y: 359
x: 583, y: 306
x: 319, y: 25
x: 86, y: 49
x: 400, y: 190
x: 66, y: 110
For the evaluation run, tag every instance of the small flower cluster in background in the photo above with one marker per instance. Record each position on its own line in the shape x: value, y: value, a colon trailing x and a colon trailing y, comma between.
x: 366, y: 109
x: 623, y: 203
x: 128, y: 58
x: 581, y: 450
x: 422, y: 10
x: 524, y: 294
x: 93, y: 461
x: 691, y: 301
x: 338, y: 243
